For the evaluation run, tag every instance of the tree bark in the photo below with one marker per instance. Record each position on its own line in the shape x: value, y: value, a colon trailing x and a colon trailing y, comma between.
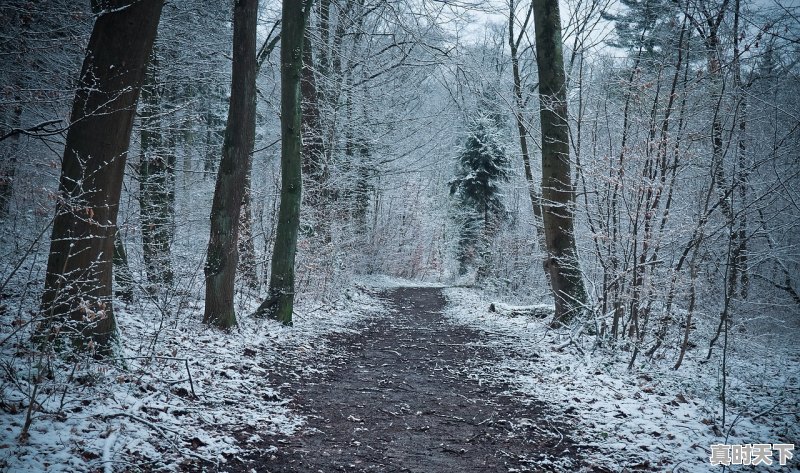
x: 314, y: 165
x: 557, y: 205
x: 280, y: 299
x: 223, y: 254
x: 77, y: 294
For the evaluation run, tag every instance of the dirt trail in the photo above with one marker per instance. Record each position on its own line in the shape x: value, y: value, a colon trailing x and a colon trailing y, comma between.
x: 405, y: 401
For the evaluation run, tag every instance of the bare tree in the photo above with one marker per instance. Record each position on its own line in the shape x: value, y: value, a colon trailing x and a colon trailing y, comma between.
x: 77, y: 294
x: 280, y: 298
x: 223, y: 254
x: 566, y: 278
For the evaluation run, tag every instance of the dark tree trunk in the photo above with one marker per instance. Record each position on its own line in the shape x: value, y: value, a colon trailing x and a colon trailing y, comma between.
x: 314, y: 166
x: 742, y: 161
x: 522, y: 129
x: 13, y: 46
x: 313, y: 150
x: 557, y: 207
x: 280, y: 299
x: 77, y: 294
x: 223, y: 255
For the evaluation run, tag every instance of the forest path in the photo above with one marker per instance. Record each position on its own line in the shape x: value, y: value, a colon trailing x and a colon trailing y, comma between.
x: 403, y: 400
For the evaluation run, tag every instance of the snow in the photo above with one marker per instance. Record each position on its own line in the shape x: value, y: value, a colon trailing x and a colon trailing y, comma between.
x: 390, y: 282
x: 139, y: 412
x: 650, y: 417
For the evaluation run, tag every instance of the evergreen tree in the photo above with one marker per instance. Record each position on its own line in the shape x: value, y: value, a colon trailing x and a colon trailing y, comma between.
x: 646, y: 26
x: 482, y: 166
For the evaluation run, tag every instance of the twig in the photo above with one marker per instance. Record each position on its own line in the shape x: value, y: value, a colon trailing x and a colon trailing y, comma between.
x: 143, y: 421
x: 162, y: 431
x: 34, y: 130
x: 23, y: 435
x: 170, y: 358
x: 22, y: 260
x: 188, y: 372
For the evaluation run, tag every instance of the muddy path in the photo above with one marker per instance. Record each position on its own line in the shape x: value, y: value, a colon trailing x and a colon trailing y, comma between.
x: 407, y: 400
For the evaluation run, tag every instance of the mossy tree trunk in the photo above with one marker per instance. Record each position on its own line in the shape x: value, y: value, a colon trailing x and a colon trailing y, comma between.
x: 223, y: 254
x: 557, y: 203
x: 77, y: 295
x: 280, y: 299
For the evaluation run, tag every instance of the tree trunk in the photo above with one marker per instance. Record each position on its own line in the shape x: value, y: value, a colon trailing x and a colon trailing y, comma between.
x: 156, y: 181
x: 557, y: 206
x: 313, y: 146
x: 314, y: 166
x: 522, y: 129
x: 77, y: 294
x: 223, y: 255
x: 742, y: 161
x: 280, y: 299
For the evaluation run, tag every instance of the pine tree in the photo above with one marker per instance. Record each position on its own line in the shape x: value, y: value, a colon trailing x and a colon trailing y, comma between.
x: 482, y: 166
x: 646, y: 26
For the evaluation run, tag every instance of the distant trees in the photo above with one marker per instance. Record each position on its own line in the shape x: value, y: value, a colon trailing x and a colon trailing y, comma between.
x: 77, y: 295
x: 156, y: 178
x: 665, y: 192
x: 223, y: 252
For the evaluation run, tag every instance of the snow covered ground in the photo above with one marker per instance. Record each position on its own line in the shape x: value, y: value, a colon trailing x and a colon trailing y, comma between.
x: 181, y: 396
x: 651, y: 418
x: 184, y: 395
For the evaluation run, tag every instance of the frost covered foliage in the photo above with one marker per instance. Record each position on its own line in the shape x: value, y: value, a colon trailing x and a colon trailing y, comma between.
x: 653, y: 418
x: 482, y: 167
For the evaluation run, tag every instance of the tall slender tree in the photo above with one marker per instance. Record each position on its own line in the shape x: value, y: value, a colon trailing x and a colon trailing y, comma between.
x: 566, y: 279
x: 223, y: 254
x: 280, y: 298
x: 77, y: 293
x: 514, y: 41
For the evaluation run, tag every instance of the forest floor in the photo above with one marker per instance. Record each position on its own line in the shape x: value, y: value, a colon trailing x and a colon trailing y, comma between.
x: 405, y: 398
x: 388, y: 378
x: 436, y: 383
